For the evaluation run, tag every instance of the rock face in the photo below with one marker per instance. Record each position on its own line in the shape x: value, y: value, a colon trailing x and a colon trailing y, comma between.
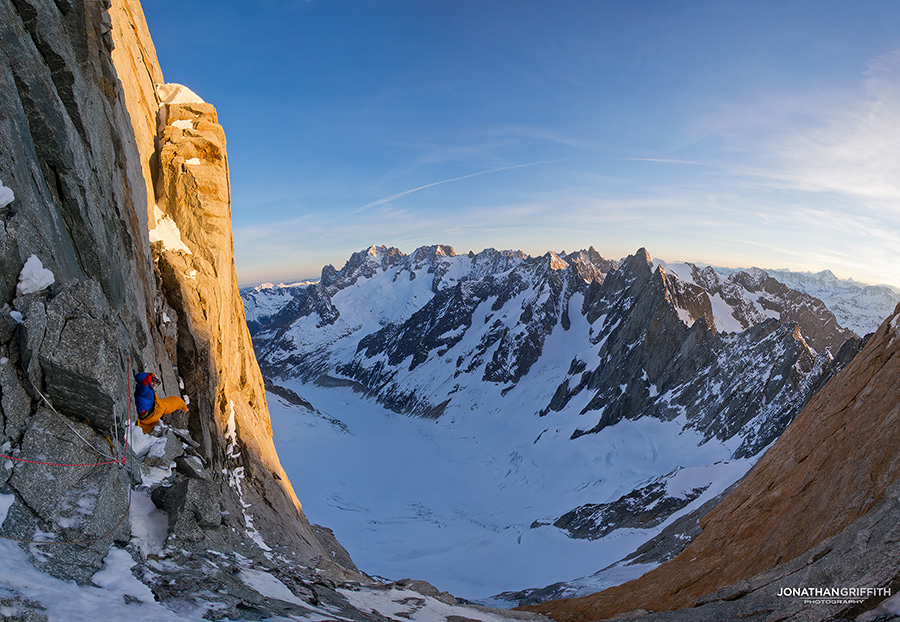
x: 118, y: 185
x: 195, y: 263
x: 64, y: 378
x: 818, y: 510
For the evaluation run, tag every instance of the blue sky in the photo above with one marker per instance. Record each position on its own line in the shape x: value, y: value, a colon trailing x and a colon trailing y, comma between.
x: 734, y: 133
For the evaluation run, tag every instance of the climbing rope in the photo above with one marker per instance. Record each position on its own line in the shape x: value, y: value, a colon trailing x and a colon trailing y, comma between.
x: 64, y: 420
x: 112, y: 459
x: 120, y: 461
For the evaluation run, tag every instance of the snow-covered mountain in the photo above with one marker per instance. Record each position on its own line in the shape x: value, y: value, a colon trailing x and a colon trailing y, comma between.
x: 614, y: 340
x: 264, y: 301
x: 742, y: 298
x: 622, y: 395
x: 856, y: 305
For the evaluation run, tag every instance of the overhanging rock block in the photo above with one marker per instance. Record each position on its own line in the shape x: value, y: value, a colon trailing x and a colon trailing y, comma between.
x: 79, y: 356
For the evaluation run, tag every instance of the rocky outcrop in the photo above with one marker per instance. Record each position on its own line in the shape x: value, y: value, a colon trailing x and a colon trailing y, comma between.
x: 641, y: 508
x: 754, y: 296
x: 195, y: 263
x: 857, y: 306
x: 818, y: 510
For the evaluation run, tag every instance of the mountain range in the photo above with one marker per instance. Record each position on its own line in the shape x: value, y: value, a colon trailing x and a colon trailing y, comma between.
x: 570, y: 350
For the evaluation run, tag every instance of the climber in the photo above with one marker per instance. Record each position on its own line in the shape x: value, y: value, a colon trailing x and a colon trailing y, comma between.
x: 150, y: 407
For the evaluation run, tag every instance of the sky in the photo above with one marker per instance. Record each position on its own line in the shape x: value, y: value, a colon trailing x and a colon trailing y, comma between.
x: 739, y: 134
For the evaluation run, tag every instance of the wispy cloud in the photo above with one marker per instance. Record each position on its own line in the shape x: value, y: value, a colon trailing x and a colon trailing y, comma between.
x: 394, y: 197
x: 664, y: 161
x: 853, y: 151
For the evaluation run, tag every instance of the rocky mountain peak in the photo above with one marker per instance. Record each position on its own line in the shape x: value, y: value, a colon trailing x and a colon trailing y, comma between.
x: 589, y: 264
x: 430, y: 254
x: 638, y: 265
x: 362, y: 264
x: 555, y: 262
x: 643, y: 256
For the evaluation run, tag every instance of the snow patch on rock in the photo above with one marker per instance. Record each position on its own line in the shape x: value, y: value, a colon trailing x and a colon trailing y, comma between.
x: 6, y: 195
x: 177, y: 94
x: 166, y: 231
x: 34, y: 277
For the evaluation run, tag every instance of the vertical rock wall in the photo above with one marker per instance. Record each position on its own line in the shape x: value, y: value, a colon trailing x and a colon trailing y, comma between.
x: 193, y: 197
x: 183, y: 154
x: 128, y: 205
x: 70, y: 164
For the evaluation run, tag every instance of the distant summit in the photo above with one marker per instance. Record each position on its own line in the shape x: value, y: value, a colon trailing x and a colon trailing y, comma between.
x: 856, y: 305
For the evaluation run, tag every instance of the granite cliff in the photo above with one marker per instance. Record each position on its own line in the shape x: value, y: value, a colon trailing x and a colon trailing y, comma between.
x: 116, y: 256
x: 97, y: 166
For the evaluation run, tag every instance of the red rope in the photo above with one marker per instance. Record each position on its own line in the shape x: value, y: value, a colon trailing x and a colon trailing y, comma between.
x: 63, y: 464
x: 120, y: 460
x: 127, y: 432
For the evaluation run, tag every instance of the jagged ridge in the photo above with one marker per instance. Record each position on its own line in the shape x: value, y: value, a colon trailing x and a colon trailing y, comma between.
x: 652, y: 347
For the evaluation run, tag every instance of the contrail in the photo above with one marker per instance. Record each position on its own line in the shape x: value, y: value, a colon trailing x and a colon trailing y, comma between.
x: 664, y: 161
x: 445, y: 181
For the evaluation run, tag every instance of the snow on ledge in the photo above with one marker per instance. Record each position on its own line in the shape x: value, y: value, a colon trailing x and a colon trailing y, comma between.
x: 6, y: 195
x: 177, y: 94
x: 34, y: 277
x: 166, y: 231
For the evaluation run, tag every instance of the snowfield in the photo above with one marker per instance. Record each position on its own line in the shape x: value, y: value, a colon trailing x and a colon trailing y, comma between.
x: 452, y: 501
